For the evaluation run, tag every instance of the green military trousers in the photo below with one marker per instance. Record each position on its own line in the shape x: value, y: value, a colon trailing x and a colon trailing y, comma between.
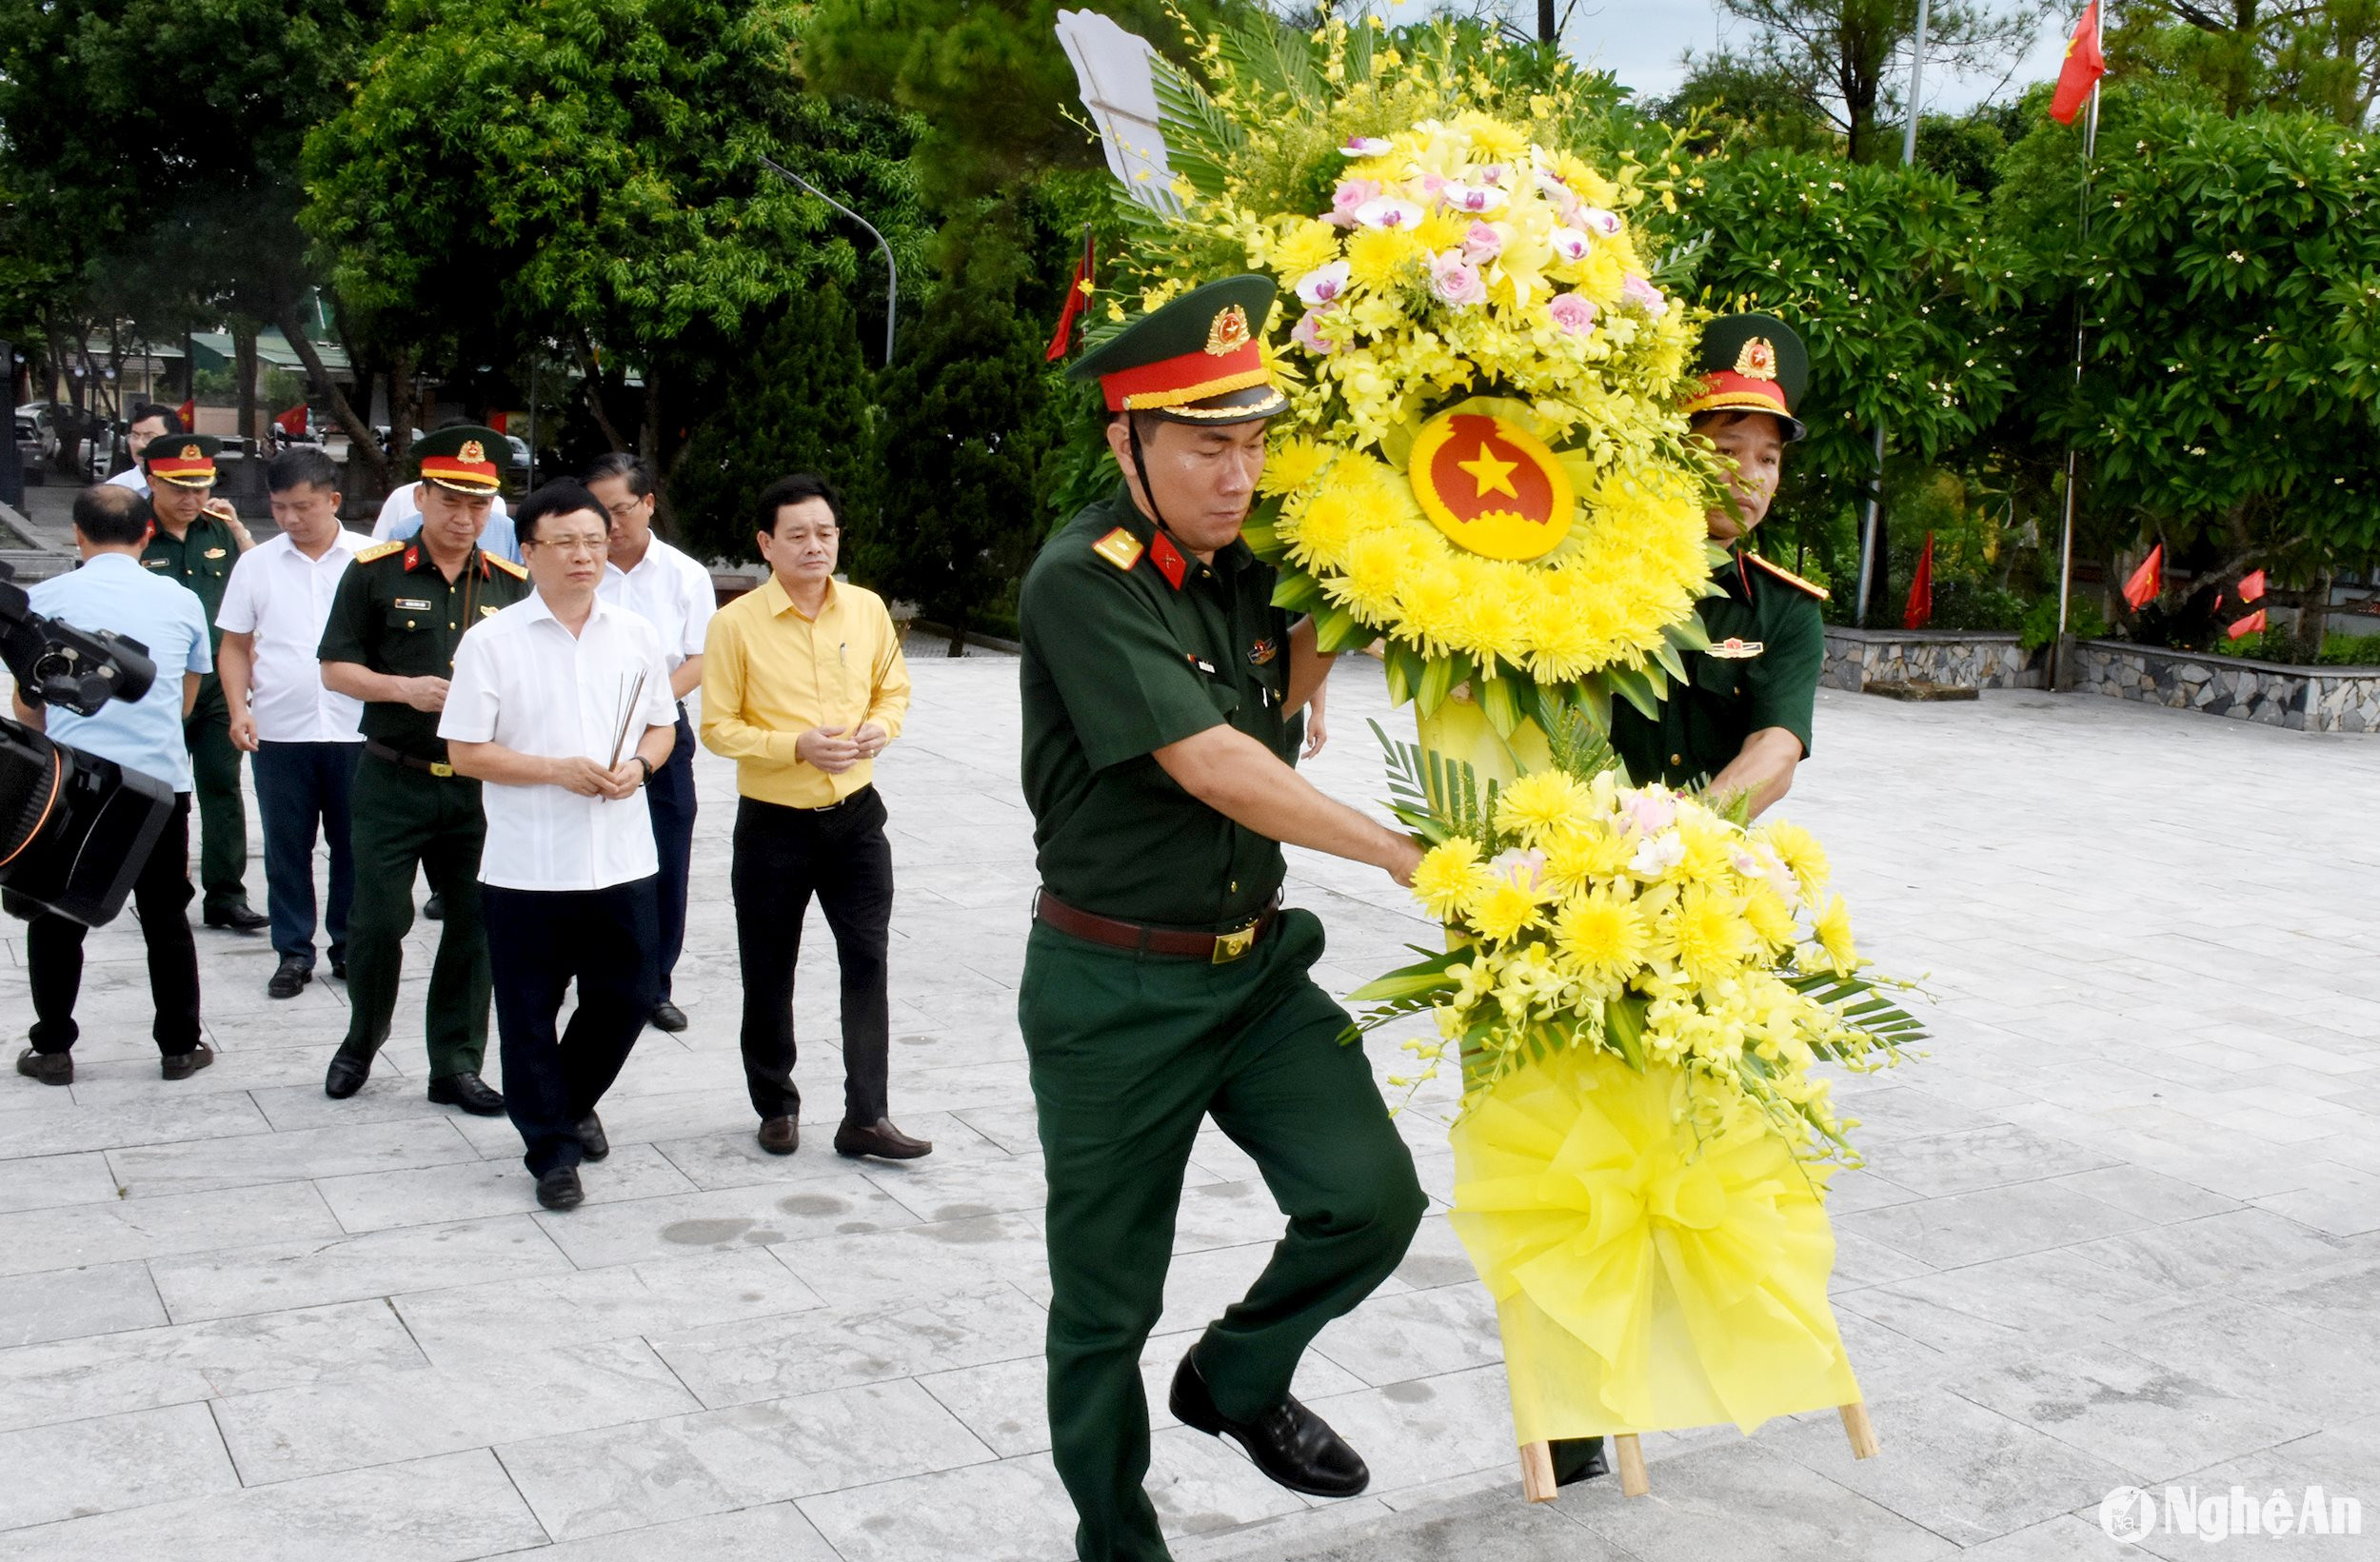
x: 1130, y: 1053
x: 402, y: 819
x: 222, y: 815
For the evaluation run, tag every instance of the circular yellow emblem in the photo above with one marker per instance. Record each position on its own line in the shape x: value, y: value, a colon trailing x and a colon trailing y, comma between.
x: 1491, y: 485
x: 471, y: 451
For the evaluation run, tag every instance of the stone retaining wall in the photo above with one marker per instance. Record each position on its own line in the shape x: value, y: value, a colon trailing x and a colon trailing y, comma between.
x: 2303, y: 699
x: 1976, y: 659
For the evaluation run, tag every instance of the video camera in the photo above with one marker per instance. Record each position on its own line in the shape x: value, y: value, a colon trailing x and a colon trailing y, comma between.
x: 75, y: 828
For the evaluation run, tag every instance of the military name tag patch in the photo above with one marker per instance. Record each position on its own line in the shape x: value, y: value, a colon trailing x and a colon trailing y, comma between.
x: 1735, y: 649
x: 1263, y: 652
x: 215, y: 553
x: 1118, y: 547
x: 413, y: 605
x: 154, y: 564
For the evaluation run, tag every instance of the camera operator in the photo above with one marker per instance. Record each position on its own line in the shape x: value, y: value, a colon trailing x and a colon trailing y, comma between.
x: 112, y: 591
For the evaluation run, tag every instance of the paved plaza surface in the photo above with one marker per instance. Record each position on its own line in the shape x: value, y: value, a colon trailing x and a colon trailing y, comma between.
x: 2121, y: 1227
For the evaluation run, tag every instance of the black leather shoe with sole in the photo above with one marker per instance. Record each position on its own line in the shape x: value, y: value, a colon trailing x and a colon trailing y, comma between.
x: 290, y: 980
x: 1288, y: 1442
x: 470, y: 1092
x: 558, y: 1189
x: 349, y: 1067
x: 50, y: 1068
x: 181, y: 1065
x: 593, y: 1141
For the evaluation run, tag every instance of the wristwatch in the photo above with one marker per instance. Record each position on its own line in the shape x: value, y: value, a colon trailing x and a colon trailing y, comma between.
x: 649, y: 768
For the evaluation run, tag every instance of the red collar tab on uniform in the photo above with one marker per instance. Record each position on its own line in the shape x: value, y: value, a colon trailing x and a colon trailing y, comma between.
x: 1168, y: 559
x: 413, y: 555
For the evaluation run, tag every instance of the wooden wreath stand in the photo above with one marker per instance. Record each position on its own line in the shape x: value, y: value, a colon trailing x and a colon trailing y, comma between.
x: 1537, y: 1460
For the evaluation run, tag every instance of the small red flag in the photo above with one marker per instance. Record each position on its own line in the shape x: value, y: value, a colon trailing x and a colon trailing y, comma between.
x: 2252, y: 586
x: 1078, y: 295
x: 500, y: 423
x: 2252, y: 624
x: 1920, y: 609
x: 2084, y: 66
x: 2147, y: 581
x: 187, y: 411
x: 292, y: 423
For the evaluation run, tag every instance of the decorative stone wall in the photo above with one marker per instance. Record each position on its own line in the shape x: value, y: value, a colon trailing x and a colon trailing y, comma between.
x: 2303, y: 699
x: 1960, y: 658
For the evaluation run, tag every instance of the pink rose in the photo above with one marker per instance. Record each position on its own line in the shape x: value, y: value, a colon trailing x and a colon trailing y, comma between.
x: 1350, y: 194
x: 1307, y: 334
x: 1636, y: 289
x: 1572, y: 312
x: 1455, y: 280
x: 1652, y: 810
x: 1481, y: 244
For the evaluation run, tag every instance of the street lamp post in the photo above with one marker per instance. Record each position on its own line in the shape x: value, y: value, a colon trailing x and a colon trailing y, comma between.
x: 892, y: 273
x: 1876, y: 490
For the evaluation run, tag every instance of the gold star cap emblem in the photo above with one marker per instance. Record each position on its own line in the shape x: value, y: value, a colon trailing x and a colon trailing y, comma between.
x: 1230, y: 331
x: 471, y: 450
x: 1758, y: 359
x: 191, y: 453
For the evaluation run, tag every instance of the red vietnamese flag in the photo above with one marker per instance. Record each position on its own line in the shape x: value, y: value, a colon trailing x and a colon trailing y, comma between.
x: 2252, y: 624
x: 2147, y: 581
x: 188, y: 412
x: 501, y: 422
x: 2084, y: 66
x: 292, y: 423
x: 2252, y: 586
x: 1920, y: 609
x: 1078, y: 295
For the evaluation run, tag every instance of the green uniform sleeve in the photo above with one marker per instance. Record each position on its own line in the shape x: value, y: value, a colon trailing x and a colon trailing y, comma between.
x: 1127, y: 687
x: 1781, y: 683
x: 353, y: 631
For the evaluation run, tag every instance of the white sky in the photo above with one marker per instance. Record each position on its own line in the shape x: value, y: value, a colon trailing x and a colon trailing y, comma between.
x: 1641, y: 41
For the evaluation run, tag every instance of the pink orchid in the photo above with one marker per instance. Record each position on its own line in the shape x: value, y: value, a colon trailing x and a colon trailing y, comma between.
x: 1524, y: 871
x: 1388, y: 212
x: 1602, y: 224
x: 1366, y: 145
x: 1474, y: 198
x: 1652, y: 810
x: 1569, y: 244
x: 1322, y: 286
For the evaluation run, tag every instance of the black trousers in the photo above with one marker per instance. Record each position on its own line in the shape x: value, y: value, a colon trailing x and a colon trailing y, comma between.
x: 161, y: 900
x: 299, y: 785
x: 539, y: 942
x: 782, y: 858
x: 670, y: 797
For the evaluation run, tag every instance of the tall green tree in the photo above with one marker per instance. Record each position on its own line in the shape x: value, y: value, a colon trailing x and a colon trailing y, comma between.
x: 2317, y: 56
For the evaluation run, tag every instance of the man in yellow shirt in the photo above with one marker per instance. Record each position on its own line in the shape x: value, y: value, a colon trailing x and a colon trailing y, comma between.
x: 803, y: 686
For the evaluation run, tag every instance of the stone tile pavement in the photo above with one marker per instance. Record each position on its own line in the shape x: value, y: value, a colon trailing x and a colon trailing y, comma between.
x: 2121, y: 1227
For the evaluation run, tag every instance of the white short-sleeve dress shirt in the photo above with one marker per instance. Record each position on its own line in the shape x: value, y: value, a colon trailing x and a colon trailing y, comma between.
x: 282, y: 598
x: 522, y: 680
x: 671, y: 592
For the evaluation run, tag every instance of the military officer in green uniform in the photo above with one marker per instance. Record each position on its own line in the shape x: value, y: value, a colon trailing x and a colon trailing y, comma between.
x: 194, y: 542
x: 402, y: 607
x: 1740, y: 723
x: 1164, y: 980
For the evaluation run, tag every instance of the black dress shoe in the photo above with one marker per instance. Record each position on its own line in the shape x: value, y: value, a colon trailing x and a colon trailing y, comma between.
x: 434, y: 908
x: 181, y: 1065
x: 781, y: 1136
x: 558, y: 1189
x: 50, y: 1068
x: 879, y: 1138
x: 470, y: 1092
x: 239, y: 918
x: 593, y: 1141
x: 1578, y: 1459
x: 290, y: 980
x: 349, y: 1067
x: 1287, y: 1442
x: 338, y: 968
x: 668, y: 1017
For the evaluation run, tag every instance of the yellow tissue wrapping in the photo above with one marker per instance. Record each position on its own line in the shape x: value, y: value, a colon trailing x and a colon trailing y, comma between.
x: 1644, y: 1281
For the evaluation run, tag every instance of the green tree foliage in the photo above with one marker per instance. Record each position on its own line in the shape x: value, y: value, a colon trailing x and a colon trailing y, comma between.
x: 969, y: 425
x: 2319, y: 56
x: 797, y: 400
x: 588, y: 172
x: 1742, y: 104
x: 1887, y: 274
x: 2232, y: 283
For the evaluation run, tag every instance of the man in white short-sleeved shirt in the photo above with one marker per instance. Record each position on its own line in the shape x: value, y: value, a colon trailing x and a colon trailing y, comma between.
x: 673, y: 593
x: 560, y: 706
x: 303, y: 736
x: 150, y: 422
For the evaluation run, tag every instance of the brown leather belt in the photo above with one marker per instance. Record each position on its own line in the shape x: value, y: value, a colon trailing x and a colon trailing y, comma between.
x: 1219, y: 948
x: 379, y: 750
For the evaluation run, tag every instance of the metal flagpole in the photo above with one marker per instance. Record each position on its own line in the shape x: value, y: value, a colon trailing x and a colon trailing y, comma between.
x: 1876, y: 488
x: 2066, y: 538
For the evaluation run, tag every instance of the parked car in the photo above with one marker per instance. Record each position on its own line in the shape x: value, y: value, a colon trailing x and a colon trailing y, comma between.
x: 516, y: 468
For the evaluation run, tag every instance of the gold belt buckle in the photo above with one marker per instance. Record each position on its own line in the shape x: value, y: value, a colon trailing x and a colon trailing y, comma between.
x: 440, y: 767
x: 1230, y: 946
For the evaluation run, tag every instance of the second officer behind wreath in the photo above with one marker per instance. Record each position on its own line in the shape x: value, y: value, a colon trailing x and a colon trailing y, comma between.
x: 1164, y: 982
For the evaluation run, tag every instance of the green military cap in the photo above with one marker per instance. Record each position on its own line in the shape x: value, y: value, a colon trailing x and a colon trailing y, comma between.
x: 1752, y: 363
x: 1196, y: 360
x: 462, y: 458
x: 187, y: 461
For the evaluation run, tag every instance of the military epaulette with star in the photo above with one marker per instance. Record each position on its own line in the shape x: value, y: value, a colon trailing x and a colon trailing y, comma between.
x: 1791, y: 579
x: 1120, y: 549
x: 378, y: 551
x: 518, y: 573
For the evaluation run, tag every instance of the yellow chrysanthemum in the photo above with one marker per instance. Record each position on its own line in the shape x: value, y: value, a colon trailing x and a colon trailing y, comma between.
x: 1801, y: 854
x: 1504, y: 910
x: 1769, y: 919
x: 1303, y: 246
x: 1291, y: 464
x: 1604, y: 936
x: 1581, y: 857
x: 1536, y: 804
x: 1711, y: 845
x: 1832, y: 929
x: 1384, y: 259
x: 1448, y: 877
x: 1704, y: 936
x: 1376, y: 566
x: 1319, y: 538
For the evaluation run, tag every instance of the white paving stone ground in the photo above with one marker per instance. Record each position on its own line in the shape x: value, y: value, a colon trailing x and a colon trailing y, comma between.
x: 2123, y: 1226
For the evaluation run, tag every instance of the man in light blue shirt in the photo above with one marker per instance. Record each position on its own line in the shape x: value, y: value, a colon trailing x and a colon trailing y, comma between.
x: 111, y: 591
